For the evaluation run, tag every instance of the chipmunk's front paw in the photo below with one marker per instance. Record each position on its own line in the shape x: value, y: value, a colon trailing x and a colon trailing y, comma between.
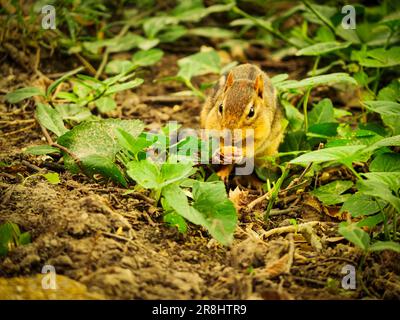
x: 224, y: 173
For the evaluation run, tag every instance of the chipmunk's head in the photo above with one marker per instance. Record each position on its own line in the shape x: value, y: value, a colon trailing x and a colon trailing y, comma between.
x: 241, y: 103
x: 241, y: 109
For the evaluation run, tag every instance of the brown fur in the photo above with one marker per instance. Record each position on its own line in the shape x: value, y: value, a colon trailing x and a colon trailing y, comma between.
x: 246, y: 84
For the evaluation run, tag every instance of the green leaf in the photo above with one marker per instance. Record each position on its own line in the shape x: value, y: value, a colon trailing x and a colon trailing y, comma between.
x: 199, y: 64
x: 103, y: 165
x: 175, y: 220
x: 355, y: 235
x: 147, y: 57
x: 52, y: 177
x: 390, y: 92
x: 175, y: 172
x: 23, y: 93
x: 331, y: 193
x: 119, y: 66
x: 211, y: 200
x: 385, y: 245
x: 393, y: 141
x: 42, y: 149
x: 177, y: 199
x: 96, y: 138
x: 55, y: 84
x: 371, y: 221
x: 145, y: 173
x: 294, y: 116
x: 378, y: 58
x: 124, y: 86
x: 315, y: 81
x: 73, y: 112
x: 385, y: 162
x: 24, y: 238
x: 322, y: 48
x: 376, y: 188
x: 383, y: 107
x: 345, y: 154
x: 322, y: 112
x: 50, y: 119
x: 360, y: 204
x: 105, y: 104
x: 390, y: 179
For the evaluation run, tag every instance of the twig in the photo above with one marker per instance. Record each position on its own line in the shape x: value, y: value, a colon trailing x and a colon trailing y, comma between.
x: 45, y: 132
x: 19, y: 130
x: 287, y: 229
x: 276, y: 212
x: 32, y: 166
x: 259, y: 200
x: 167, y: 99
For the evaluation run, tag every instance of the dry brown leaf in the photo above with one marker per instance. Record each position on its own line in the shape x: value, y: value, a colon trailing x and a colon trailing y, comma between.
x: 238, y: 197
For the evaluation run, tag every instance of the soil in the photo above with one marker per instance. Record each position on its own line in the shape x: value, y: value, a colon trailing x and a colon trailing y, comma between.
x: 105, y: 244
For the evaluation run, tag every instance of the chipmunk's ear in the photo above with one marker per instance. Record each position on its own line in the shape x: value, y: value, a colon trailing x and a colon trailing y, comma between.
x: 229, y: 81
x: 259, y: 86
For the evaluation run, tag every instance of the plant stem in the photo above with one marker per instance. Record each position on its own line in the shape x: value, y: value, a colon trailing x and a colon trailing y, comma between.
x: 275, y: 192
x: 319, y: 16
x: 307, y: 95
x: 265, y: 26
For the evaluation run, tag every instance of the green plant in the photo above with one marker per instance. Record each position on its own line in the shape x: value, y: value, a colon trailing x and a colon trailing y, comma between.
x: 11, y: 237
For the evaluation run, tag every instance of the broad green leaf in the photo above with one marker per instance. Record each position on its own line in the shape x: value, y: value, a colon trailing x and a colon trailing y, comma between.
x: 390, y: 92
x: 293, y: 115
x: 331, y: 193
x: 383, y: 107
x: 360, y: 204
x: 147, y: 57
x: 393, y: 141
x: 385, y: 162
x: 52, y: 177
x: 385, y: 245
x: 315, y: 81
x: 103, y: 165
x: 322, y: 112
x: 199, y: 64
x: 376, y: 188
x: 355, y: 235
x: 346, y: 154
x: 105, y: 104
x: 172, y: 33
x: 50, y: 119
x: 391, y: 179
x: 23, y: 93
x: 96, y: 138
x: 322, y: 48
x: 174, y: 172
x: 177, y: 200
x: 211, y: 200
x: 145, y: 173
x: 42, y: 149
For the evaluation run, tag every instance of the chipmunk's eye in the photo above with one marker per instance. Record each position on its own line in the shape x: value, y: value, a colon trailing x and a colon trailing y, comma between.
x: 220, y: 108
x: 251, y: 113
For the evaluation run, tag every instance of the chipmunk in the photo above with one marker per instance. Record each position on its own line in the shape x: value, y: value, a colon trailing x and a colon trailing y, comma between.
x: 245, y: 99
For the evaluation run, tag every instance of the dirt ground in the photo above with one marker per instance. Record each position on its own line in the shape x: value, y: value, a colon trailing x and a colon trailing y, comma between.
x: 117, y: 246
